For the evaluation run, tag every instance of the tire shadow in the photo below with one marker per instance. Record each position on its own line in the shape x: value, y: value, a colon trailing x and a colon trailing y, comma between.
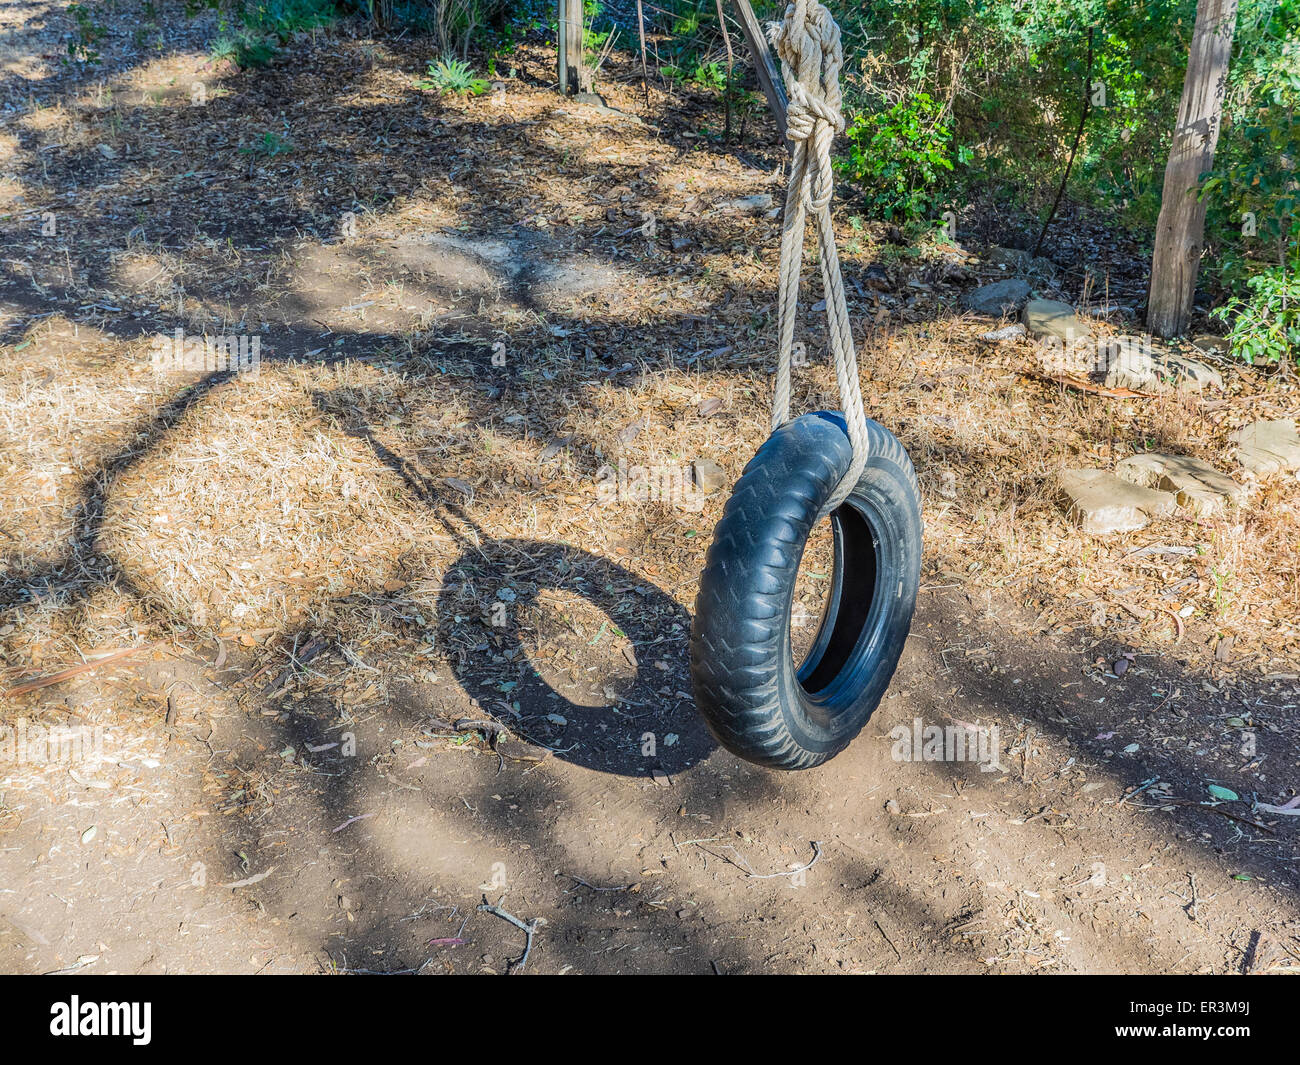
x: 642, y: 718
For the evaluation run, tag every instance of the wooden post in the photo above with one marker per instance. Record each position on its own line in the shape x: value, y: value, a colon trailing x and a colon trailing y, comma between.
x: 569, y: 22
x: 769, y: 75
x: 1180, y: 230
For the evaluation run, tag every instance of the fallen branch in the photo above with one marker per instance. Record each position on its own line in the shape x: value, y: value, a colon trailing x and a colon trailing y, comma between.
x: 1221, y: 813
x: 75, y: 671
x: 1082, y: 385
x: 528, y: 929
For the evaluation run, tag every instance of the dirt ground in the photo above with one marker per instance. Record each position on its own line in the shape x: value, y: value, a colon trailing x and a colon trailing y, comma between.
x: 387, y: 649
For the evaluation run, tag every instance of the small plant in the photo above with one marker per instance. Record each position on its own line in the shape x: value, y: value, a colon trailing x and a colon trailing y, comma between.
x: 81, y: 46
x: 246, y: 50
x: 1266, y: 324
x: 453, y: 76
x: 269, y: 145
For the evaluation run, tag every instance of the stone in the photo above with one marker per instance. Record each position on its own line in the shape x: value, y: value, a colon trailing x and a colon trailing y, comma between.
x: 1136, y: 363
x: 1013, y: 260
x: 999, y: 298
x: 1188, y: 375
x: 1102, y: 503
x: 1108, y: 310
x: 1009, y: 332
x: 1051, y: 318
x: 709, y: 476
x: 752, y: 204
x: 1209, y: 343
x: 1013, y: 257
x: 1197, y: 485
x: 1268, y: 447
x: 1130, y: 364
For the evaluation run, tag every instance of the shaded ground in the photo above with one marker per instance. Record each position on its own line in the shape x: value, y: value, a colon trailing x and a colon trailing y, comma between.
x: 403, y: 653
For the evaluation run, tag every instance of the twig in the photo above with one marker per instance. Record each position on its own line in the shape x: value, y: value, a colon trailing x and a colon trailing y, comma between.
x: 645, y: 77
x: 1223, y: 813
x: 528, y: 929
x: 1074, y: 148
x: 351, y: 821
x: 817, y: 853
x: 597, y: 887
x: 731, y: 62
x: 1138, y: 790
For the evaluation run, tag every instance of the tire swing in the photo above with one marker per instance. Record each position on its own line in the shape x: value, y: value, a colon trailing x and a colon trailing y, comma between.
x: 756, y: 701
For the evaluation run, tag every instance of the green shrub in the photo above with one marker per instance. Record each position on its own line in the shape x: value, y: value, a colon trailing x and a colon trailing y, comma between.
x: 898, y: 155
x: 1266, y: 323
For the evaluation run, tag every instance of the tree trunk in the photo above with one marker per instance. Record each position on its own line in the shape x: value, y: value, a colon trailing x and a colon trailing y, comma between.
x: 573, y: 76
x: 1180, y: 232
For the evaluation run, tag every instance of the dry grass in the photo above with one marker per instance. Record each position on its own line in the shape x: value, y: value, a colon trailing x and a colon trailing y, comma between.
x: 333, y: 495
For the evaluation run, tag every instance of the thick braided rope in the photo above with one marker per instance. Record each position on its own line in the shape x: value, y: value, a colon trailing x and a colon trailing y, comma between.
x: 808, y: 44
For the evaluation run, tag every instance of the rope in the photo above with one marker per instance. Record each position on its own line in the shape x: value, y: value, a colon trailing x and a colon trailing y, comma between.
x: 808, y: 44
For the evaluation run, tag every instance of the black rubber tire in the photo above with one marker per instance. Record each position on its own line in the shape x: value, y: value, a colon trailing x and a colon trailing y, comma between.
x: 755, y: 700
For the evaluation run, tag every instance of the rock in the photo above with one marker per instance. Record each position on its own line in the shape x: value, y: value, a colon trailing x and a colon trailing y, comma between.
x: 1105, y: 310
x: 1007, y: 333
x: 1209, y: 343
x: 1133, y: 362
x: 1051, y: 318
x: 1129, y: 364
x: 1188, y: 375
x: 999, y: 298
x: 1006, y: 256
x: 877, y: 277
x: 1013, y: 260
x: 1268, y: 447
x: 752, y: 204
x: 709, y: 476
x: 1196, y: 485
x: 1102, y: 503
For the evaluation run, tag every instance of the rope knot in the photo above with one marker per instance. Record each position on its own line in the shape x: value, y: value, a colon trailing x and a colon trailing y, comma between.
x: 805, y: 110
x: 808, y: 42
